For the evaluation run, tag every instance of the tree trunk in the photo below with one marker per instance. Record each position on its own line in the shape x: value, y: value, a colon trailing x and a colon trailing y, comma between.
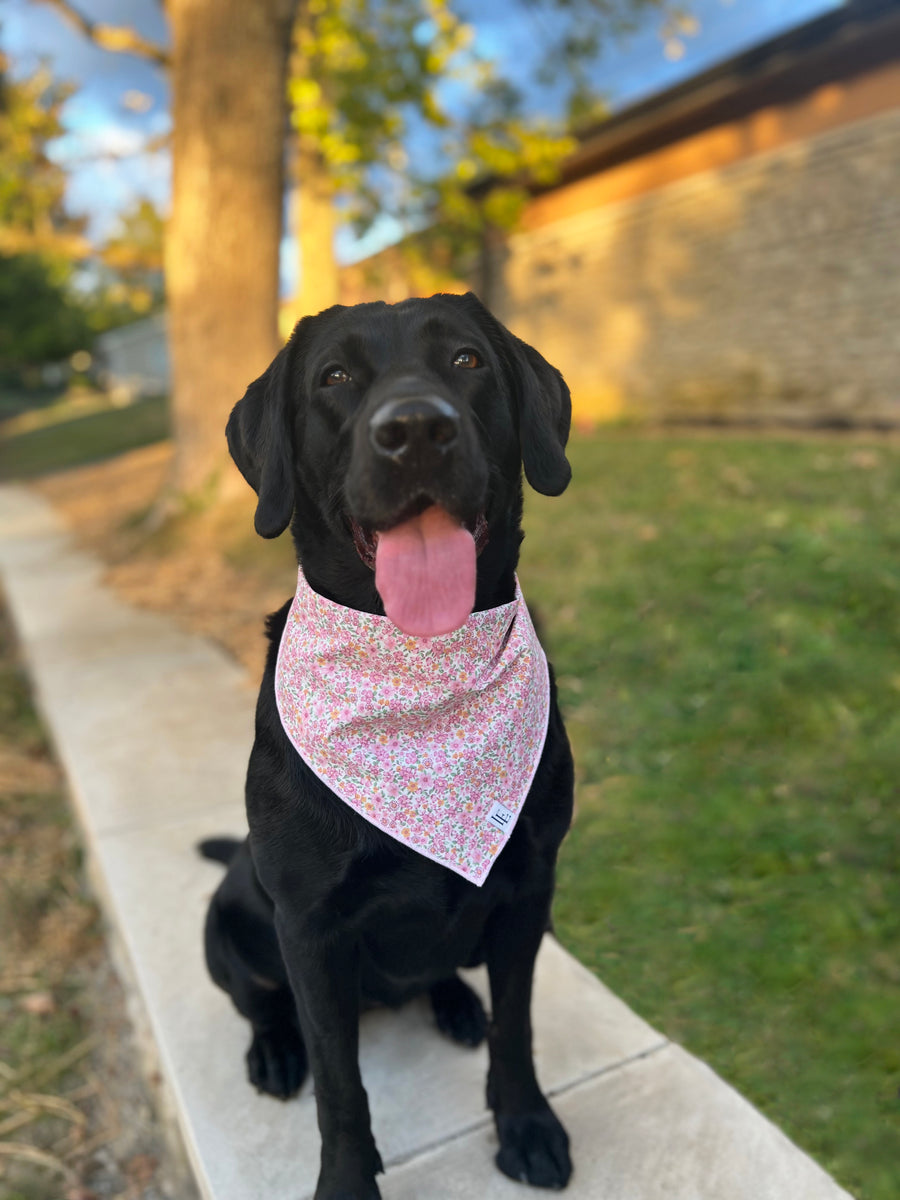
x: 314, y: 224
x: 229, y: 63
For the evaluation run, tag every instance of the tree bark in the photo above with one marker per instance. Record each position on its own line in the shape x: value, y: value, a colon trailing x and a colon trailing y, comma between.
x: 229, y: 63
x: 313, y: 220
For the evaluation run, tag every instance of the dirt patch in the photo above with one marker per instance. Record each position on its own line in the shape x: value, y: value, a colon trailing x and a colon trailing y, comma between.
x: 103, y: 502
x: 207, y: 569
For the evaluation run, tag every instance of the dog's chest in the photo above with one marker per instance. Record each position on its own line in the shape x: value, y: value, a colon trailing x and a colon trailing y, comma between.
x: 415, y: 944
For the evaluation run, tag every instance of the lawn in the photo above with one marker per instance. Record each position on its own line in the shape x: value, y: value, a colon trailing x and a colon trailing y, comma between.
x: 724, y: 618
x: 71, y: 439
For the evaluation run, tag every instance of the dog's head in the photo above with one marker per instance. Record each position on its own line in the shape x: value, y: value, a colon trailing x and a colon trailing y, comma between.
x: 396, y: 435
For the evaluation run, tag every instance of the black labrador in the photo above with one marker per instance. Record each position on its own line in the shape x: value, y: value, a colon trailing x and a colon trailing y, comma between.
x: 370, y: 414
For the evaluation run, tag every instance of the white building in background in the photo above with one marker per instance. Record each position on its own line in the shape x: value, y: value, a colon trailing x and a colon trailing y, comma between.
x: 133, y: 361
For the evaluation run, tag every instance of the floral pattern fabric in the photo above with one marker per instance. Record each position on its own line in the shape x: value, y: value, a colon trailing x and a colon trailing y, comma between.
x: 434, y: 740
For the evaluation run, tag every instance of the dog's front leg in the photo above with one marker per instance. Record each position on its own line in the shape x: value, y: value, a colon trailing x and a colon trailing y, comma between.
x: 324, y: 975
x: 534, y: 1147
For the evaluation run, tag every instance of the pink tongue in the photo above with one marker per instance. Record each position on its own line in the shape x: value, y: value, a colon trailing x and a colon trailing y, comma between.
x: 425, y: 573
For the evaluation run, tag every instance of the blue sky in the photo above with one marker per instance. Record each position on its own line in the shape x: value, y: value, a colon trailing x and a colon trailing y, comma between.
x: 121, y: 101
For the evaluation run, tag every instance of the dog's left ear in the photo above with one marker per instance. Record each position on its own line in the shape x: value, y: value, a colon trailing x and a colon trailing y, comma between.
x: 260, y: 440
x: 544, y: 404
x: 545, y: 414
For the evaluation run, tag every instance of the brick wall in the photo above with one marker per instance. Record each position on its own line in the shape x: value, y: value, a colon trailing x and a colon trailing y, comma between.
x: 765, y: 290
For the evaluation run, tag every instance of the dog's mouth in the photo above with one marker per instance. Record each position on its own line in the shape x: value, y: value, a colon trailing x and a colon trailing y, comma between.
x: 425, y: 566
x: 365, y: 538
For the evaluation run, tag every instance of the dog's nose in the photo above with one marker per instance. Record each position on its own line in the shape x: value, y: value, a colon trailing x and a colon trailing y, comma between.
x: 411, y: 424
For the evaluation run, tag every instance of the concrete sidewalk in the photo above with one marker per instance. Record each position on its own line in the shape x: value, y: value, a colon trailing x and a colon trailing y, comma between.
x: 153, y: 727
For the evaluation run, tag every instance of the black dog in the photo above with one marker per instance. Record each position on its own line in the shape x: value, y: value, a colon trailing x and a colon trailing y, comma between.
x: 368, y: 416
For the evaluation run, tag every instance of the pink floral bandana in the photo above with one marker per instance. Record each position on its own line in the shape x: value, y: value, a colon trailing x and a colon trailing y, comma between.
x: 434, y: 740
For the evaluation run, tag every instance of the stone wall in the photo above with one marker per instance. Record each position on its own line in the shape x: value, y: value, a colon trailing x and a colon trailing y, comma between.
x: 764, y: 290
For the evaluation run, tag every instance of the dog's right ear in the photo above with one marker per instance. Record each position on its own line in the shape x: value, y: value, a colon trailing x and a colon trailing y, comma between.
x: 543, y: 401
x: 260, y: 439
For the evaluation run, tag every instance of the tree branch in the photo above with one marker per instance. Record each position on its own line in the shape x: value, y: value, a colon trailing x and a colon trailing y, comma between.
x: 117, y: 38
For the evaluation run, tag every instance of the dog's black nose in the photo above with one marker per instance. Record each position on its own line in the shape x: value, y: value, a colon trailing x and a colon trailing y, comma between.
x: 414, y: 423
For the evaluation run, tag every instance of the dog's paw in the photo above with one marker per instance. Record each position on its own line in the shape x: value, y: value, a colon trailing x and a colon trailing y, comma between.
x: 276, y: 1062
x: 459, y: 1012
x: 534, y: 1148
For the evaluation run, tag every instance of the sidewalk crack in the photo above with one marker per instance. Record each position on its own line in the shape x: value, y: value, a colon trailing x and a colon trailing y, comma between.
x: 401, y: 1160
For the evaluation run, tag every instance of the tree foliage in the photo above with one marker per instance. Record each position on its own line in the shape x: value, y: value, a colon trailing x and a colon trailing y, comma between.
x: 133, y: 257
x: 376, y: 85
x: 39, y: 319
x: 33, y: 216
x: 398, y: 112
x: 55, y: 293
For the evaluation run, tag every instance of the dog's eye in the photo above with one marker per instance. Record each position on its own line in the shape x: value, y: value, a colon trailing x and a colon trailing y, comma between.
x: 335, y: 375
x: 467, y: 359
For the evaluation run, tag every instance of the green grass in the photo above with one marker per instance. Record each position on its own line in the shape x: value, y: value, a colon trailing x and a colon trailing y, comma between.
x: 16, y: 399
x: 83, y: 439
x: 724, y: 619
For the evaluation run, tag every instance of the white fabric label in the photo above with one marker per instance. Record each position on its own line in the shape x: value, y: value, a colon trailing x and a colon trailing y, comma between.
x: 500, y: 816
